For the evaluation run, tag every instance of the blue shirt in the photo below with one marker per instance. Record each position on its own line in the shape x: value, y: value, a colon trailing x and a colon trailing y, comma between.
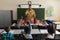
x: 8, y: 36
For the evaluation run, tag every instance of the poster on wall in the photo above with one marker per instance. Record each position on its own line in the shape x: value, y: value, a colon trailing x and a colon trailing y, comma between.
x: 49, y: 11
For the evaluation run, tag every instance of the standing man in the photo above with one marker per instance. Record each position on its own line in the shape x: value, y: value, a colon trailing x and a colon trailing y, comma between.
x: 30, y: 13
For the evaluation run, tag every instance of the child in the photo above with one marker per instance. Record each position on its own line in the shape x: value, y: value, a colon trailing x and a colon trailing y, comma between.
x: 20, y: 22
x: 7, y: 35
x: 27, y: 31
x: 51, y: 32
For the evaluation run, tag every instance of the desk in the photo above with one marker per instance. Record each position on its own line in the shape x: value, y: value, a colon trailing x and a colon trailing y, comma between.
x: 57, y: 35
x: 34, y: 31
x: 37, y: 35
x: 57, y: 25
x: 34, y: 26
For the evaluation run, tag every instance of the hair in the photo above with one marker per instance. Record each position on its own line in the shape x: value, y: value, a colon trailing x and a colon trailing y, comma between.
x: 7, y: 28
x: 28, y: 23
x: 27, y: 30
x: 29, y: 4
x: 51, y: 29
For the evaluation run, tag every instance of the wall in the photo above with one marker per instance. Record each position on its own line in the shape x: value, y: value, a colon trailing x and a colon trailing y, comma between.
x: 13, y: 4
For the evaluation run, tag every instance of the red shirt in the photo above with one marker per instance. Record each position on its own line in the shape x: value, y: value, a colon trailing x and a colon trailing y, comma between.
x: 25, y: 20
x: 35, y: 20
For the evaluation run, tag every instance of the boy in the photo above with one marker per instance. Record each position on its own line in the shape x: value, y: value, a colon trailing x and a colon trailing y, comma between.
x: 8, y: 35
x: 27, y: 31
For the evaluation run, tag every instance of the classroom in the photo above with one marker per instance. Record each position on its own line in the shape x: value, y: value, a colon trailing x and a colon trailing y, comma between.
x: 29, y: 20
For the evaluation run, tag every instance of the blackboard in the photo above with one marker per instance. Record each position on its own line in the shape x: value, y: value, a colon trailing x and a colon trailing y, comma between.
x: 40, y: 13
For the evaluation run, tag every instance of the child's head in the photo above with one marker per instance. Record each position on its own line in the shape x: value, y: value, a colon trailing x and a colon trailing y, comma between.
x: 26, y: 23
x: 7, y: 28
x: 51, y: 29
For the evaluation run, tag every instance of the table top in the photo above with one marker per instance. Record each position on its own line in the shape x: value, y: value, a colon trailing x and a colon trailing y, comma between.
x: 31, y: 24
x: 34, y: 31
x: 57, y: 32
x: 58, y: 27
x: 57, y: 23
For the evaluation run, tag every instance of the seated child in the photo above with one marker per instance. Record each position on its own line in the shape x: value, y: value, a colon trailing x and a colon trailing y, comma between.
x: 20, y: 23
x: 51, y: 32
x: 27, y: 32
x: 8, y: 35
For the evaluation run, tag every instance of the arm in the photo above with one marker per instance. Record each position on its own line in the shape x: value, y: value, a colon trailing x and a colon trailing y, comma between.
x: 26, y: 13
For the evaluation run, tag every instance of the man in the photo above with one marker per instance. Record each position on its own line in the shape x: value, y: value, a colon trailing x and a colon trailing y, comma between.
x: 30, y: 13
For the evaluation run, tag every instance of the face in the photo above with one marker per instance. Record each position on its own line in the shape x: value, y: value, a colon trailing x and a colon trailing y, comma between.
x: 7, y: 30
